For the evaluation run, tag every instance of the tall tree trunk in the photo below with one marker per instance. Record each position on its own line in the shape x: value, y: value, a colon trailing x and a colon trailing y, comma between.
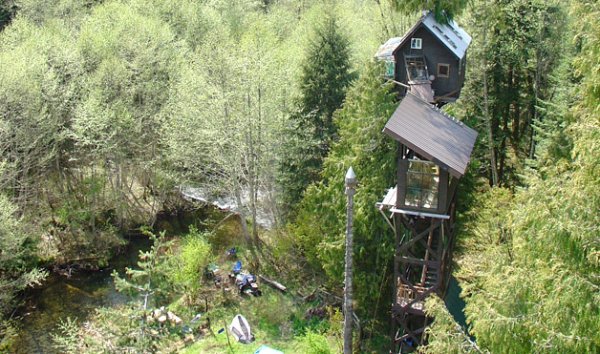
x: 93, y: 201
x: 534, y: 116
x: 488, y: 118
x: 240, y: 205
x: 383, y: 20
x: 256, y: 177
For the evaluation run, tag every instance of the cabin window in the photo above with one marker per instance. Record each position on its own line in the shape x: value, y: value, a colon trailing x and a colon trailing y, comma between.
x: 443, y: 70
x: 416, y: 68
x: 390, y: 69
x: 416, y: 43
x: 422, y: 184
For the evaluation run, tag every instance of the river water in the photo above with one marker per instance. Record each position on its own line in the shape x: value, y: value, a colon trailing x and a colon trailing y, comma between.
x: 76, y: 297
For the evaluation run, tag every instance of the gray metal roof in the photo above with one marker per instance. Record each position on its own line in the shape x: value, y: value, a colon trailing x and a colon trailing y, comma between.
x: 386, y: 50
x: 454, y: 37
x: 432, y: 134
x: 422, y: 90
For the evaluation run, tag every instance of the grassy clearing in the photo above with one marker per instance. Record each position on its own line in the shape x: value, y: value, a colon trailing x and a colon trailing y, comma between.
x: 276, y: 320
x: 280, y: 320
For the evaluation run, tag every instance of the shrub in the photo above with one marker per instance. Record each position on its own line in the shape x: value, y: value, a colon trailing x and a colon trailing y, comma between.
x: 195, y: 255
x: 314, y: 343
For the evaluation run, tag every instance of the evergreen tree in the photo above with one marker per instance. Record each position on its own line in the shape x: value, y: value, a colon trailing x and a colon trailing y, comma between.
x: 151, y: 281
x: 16, y: 250
x: 320, y: 224
x: 514, y: 54
x: 7, y: 12
x: 325, y: 77
x: 443, y: 10
x: 530, y: 263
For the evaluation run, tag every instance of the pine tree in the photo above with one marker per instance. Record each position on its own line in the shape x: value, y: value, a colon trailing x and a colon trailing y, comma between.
x: 326, y: 75
x: 320, y: 221
x: 151, y: 279
x: 443, y: 10
x: 16, y: 250
x: 151, y: 282
x: 7, y: 12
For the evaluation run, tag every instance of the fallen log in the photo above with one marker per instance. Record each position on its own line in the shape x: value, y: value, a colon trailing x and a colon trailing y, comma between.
x: 273, y: 283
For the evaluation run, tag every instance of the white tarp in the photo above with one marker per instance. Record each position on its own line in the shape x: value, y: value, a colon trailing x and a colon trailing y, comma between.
x: 240, y: 329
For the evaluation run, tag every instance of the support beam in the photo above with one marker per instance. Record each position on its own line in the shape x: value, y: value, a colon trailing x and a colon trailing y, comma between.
x: 419, y: 213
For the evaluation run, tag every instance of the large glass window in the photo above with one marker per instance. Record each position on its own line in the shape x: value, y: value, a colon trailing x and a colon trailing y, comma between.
x: 422, y: 185
x: 416, y: 68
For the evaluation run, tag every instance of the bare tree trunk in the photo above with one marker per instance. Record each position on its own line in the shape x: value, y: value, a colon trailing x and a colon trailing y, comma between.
x: 93, y: 201
x: 240, y: 205
x: 256, y: 174
x: 534, y: 119
x: 488, y: 118
x: 252, y: 170
x: 383, y: 20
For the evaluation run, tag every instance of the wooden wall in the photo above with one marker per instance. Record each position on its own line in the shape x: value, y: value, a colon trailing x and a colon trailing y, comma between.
x: 435, y: 52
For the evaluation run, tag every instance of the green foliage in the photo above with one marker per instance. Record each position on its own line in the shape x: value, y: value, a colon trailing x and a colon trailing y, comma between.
x: 549, y: 300
x: 7, y: 12
x: 105, y: 106
x: 37, y: 97
x: 530, y: 274
x: 69, y: 11
x: 17, y: 270
x: 315, y: 343
x: 152, y: 277
x: 66, y: 341
x: 324, y: 80
x: 273, y: 312
x: 444, y: 10
x: 8, y: 331
x: 194, y: 255
x: 516, y: 55
x: 445, y: 335
x: 116, y: 330
x: 321, y: 218
x: 131, y: 61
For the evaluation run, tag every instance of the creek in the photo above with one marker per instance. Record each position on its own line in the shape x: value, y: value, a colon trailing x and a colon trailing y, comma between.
x: 76, y: 297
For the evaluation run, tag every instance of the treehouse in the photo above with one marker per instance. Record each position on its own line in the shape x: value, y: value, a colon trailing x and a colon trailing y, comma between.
x: 433, y: 154
x: 429, y: 60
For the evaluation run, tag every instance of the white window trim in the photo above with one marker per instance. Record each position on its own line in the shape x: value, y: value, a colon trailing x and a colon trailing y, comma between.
x: 416, y: 43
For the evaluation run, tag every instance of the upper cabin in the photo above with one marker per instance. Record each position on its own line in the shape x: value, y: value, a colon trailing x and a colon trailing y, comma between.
x: 430, y: 58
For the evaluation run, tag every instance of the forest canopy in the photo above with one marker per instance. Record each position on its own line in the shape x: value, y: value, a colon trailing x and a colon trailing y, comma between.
x: 110, y: 108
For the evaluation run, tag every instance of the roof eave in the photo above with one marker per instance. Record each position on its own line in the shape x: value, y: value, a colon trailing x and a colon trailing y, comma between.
x: 412, y: 30
x: 455, y: 173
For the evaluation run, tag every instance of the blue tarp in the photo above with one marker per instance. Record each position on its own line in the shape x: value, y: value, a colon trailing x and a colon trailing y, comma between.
x: 237, y: 267
x: 267, y: 350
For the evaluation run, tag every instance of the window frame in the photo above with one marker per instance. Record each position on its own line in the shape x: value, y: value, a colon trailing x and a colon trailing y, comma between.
x: 390, y: 69
x: 416, y: 196
x: 447, y: 66
x: 416, y: 43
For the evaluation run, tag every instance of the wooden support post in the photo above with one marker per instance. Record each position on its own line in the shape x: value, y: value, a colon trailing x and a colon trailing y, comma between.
x: 351, y: 183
